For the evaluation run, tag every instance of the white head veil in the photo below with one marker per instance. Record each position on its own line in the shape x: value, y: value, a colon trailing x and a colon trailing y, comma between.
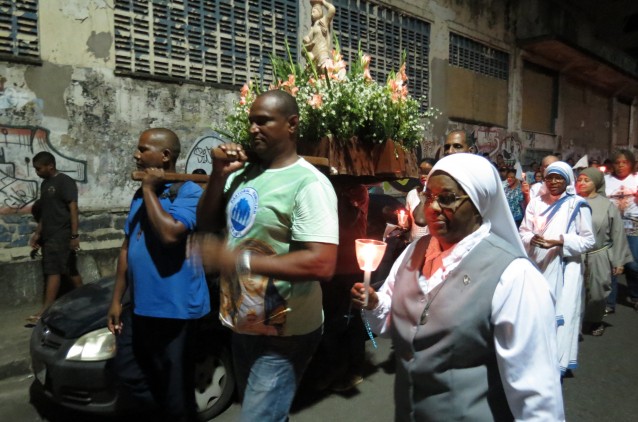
x: 481, y: 182
x: 563, y: 169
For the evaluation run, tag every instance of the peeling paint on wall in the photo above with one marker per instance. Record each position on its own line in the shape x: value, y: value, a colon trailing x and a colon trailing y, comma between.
x: 80, y: 9
x: 99, y: 44
x: 49, y: 82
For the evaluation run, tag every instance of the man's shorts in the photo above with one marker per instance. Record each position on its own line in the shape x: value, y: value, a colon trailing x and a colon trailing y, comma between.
x: 58, y: 258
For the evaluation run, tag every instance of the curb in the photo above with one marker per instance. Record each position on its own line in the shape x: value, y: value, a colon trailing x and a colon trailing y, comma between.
x: 15, y: 368
x: 15, y: 358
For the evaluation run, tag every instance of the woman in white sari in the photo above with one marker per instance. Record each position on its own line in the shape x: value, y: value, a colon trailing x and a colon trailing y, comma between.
x: 556, y: 231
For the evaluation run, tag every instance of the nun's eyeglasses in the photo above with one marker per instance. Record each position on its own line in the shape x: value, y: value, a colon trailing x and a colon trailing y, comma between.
x: 554, y: 178
x: 444, y: 199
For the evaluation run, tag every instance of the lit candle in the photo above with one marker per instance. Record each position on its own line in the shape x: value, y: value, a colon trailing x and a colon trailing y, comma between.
x: 369, y: 255
x: 403, y: 218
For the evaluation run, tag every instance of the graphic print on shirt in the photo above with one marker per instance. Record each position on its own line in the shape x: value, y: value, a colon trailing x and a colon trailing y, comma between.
x: 623, y: 195
x: 252, y: 303
x: 243, y: 209
x: 623, y: 198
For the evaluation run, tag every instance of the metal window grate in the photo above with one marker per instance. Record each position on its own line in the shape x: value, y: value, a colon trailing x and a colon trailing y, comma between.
x: 211, y: 41
x: 477, y: 57
x: 384, y: 34
x: 19, y: 29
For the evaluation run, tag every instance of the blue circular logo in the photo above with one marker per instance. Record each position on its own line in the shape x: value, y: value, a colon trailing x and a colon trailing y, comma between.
x: 242, y: 210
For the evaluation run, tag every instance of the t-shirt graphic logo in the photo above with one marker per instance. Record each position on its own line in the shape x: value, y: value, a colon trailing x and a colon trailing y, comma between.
x: 242, y: 209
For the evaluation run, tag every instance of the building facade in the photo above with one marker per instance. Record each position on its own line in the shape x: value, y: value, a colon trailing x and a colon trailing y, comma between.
x: 83, y: 78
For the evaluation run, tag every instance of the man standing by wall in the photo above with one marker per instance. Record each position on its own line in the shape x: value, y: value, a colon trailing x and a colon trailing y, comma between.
x: 168, y: 291
x: 282, y: 235
x: 57, y: 230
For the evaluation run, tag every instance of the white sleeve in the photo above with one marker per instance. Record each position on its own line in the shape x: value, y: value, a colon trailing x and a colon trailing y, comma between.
x: 380, y: 317
x: 526, y: 230
x: 582, y: 239
x: 525, y: 342
x: 315, y: 214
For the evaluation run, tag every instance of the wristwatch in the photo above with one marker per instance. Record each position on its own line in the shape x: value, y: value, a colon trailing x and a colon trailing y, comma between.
x: 242, y: 265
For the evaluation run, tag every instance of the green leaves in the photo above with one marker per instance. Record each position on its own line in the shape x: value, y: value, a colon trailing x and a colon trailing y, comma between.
x: 339, y: 103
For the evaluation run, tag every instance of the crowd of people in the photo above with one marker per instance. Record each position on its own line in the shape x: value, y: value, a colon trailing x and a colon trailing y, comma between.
x: 567, y: 236
x: 485, y: 305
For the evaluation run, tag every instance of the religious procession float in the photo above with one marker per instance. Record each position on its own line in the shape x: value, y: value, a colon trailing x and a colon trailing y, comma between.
x: 361, y: 127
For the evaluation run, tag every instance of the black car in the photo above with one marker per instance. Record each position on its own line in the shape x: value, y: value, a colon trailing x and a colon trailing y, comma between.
x: 72, y: 351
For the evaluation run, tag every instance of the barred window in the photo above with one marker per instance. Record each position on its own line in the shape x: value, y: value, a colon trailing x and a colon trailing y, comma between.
x: 19, y: 30
x: 211, y: 41
x: 477, y: 57
x: 384, y: 34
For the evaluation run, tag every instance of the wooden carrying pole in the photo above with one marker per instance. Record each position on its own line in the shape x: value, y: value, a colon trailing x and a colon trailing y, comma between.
x: 220, y: 154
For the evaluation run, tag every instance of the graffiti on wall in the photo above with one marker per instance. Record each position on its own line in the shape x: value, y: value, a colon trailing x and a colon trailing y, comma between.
x: 488, y: 140
x: 19, y: 184
x: 198, y: 158
x: 493, y: 141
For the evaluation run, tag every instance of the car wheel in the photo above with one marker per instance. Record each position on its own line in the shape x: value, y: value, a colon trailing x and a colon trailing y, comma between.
x: 214, y: 384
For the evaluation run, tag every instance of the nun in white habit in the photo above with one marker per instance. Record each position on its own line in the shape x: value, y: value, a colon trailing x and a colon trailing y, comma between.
x: 471, y: 318
x: 556, y: 231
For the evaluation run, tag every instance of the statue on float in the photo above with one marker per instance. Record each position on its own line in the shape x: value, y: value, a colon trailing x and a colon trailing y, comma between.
x: 317, y: 42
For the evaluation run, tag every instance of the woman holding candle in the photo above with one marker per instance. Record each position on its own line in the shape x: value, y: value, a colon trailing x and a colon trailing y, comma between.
x: 471, y: 318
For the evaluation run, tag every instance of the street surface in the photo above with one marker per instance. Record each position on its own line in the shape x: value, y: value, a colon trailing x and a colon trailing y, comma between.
x: 602, y: 389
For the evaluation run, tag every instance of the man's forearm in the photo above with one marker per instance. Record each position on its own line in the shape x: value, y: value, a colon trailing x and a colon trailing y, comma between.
x: 120, y: 278
x: 75, y: 217
x: 302, y: 265
x: 163, y: 224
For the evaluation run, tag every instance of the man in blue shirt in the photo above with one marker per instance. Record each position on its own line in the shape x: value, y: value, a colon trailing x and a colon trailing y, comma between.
x: 167, y: 291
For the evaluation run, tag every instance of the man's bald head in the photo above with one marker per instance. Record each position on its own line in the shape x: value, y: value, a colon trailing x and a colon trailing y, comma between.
x: 283, y: 102
x: 547, y: 160
x: 166, y: 139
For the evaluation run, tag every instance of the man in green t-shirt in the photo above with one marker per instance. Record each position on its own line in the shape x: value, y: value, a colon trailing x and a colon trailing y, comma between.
x: 279, y: 215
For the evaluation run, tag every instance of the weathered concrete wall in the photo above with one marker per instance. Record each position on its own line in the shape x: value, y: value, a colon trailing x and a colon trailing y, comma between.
x: 74, y: 106
x: 24, y: 283
x: 541, y: 18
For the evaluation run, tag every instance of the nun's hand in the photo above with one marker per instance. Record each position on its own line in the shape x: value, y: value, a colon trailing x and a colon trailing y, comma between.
x: 541, y: 242
x: 357, y: 296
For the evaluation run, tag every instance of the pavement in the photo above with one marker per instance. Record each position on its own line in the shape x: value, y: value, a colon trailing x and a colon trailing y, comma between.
x: 603, y: 388
x: 14, y: 344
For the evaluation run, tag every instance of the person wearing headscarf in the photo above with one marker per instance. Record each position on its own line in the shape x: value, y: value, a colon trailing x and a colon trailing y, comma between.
x: 471, y: 318
x: 556, y: 231
x: 610, y: 252
x: 537, y: 189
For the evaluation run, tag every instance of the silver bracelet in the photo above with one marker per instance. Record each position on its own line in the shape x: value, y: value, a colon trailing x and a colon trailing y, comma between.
x: 242, y: 265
